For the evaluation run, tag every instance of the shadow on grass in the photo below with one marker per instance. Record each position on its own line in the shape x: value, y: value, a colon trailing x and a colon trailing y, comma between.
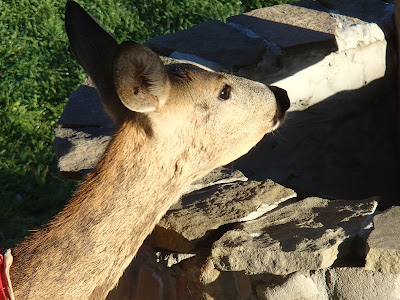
x: 28, y: 201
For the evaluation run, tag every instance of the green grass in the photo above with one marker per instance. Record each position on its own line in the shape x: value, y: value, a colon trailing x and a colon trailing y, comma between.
x: 38, y: 72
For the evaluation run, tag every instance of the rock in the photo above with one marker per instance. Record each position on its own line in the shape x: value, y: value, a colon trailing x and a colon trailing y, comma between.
x: 301, y: 236
x: 172, y: 258
x: 383, y: 244
x: 213, y: 41
x: 227, y: 285
x: 84, y: 109
x: 310, y: 52
x: 352, y: 33
x: 336, y: 283
x: 361, y: 49
x: 357, y: 283
x: 350, y: 52
x: 217, y: 176
x: 200, y: 280
x: 305, y: 88
x: 291, y: 27
x: 84, y: 130
x: 191, y: 220
x: 78, y: 150
x: 372, y: 11
x: 145, y: 278
x: 296, y: 287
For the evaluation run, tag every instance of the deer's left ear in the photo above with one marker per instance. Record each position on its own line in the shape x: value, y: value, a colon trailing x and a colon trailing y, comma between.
x: 94, y: 48
x: 140, y: 78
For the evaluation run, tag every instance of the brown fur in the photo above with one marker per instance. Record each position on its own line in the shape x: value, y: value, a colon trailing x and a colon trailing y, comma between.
x: 175, y: 132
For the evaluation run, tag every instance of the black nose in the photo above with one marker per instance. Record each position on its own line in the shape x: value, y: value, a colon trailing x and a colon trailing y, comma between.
x: 281, y: 97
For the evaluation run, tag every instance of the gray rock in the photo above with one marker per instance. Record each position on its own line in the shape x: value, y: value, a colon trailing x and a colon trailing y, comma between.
x: 190, y: 221
x: 291, y: 26
x: 372, y: 11
x: 383, y: 244
x: 84, y: 109
x: 301, y: 236
x: 224, y: 285
x: 78, y: 150
x: 314, y: 42
x: 352, y: 33
x: 146, y: 278
x: 217, y: 176
x: 213, y: 41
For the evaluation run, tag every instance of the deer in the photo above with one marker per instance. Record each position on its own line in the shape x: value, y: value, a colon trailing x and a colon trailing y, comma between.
x: 173, y: 124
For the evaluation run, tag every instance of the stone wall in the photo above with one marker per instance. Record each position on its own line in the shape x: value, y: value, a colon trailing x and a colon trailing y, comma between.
x: 293, y: 218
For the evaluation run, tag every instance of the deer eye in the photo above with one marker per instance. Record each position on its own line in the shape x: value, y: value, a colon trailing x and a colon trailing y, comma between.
x: 225, y: 93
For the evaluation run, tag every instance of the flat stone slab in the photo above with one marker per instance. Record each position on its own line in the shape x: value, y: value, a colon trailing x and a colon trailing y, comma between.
x: 222, y: 175
x: 213, y: 41
x: 79, y: 149
x: 373, y: 11
x: 291, y: 26
x: 84, y: 109
x: 383, y: 244
x: 196, y: 215
x: 301, y: 236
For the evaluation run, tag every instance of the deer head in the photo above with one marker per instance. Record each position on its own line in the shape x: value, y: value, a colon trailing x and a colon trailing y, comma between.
x: 193, y: 111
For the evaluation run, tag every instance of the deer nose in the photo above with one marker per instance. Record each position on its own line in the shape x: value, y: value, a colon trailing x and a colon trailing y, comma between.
x: 281, y: 97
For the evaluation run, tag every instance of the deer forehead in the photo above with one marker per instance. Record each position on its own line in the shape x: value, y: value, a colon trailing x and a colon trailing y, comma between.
x: 202, y: 83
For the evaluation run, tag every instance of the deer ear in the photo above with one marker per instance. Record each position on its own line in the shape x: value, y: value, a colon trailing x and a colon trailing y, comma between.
x: 140, y: 78
x: 92, y: 46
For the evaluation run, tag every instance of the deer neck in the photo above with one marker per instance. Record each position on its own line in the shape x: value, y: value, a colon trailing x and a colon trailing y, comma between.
x: 82, y: 253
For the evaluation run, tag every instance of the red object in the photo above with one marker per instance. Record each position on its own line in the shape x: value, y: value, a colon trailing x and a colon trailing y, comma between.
x: 6, y: 292
x: 3, y: 279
